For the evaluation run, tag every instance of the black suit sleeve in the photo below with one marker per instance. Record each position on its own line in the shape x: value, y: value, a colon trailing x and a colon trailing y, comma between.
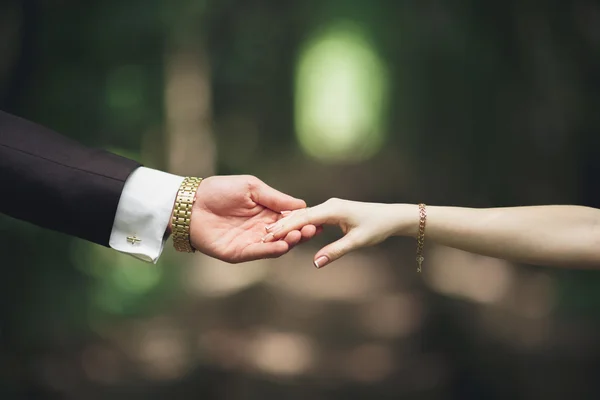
x: 56, y: 183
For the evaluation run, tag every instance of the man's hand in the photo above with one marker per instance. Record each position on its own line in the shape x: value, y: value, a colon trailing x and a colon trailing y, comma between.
x: 230, y: 215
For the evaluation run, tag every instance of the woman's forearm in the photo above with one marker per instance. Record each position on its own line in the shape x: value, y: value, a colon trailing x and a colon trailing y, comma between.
x: 544, y: 235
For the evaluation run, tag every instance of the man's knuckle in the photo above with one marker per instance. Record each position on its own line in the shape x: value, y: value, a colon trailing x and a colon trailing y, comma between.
x: 251, y: 181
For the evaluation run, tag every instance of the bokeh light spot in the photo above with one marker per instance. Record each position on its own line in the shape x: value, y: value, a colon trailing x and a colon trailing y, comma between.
x: 340, y: 95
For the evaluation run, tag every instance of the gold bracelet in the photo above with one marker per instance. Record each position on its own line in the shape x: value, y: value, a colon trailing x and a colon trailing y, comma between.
x: 182, y: 214
x: 421, y: 235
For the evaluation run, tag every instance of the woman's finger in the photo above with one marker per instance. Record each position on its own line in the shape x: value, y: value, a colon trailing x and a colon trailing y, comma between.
x: 337, y: 249
x: 318, y: 215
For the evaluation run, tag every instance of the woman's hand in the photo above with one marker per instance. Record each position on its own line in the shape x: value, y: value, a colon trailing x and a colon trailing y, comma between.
x: 363, y: 224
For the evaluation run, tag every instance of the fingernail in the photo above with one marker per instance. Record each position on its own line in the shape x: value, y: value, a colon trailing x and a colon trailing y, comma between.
x: 284, y: 213
x: 321, y: 262
x: 269, y: 227
x: 266, y: 237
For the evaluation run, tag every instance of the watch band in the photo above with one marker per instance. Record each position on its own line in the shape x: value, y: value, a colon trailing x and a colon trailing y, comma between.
x: 182, y: 214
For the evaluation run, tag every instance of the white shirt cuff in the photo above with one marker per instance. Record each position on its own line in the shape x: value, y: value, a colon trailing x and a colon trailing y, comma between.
x: 143, y: 213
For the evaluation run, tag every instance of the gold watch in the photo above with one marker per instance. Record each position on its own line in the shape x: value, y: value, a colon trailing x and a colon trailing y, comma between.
x: 182, y: 214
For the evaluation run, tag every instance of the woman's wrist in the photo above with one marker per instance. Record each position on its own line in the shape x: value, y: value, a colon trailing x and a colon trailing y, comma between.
x: 405, y: 218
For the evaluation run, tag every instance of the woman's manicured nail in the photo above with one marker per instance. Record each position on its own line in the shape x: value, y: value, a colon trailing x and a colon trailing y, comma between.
x: 269, y: 227
x: 266, y: 237
x: 321, y: 262
x: 284, y: 213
